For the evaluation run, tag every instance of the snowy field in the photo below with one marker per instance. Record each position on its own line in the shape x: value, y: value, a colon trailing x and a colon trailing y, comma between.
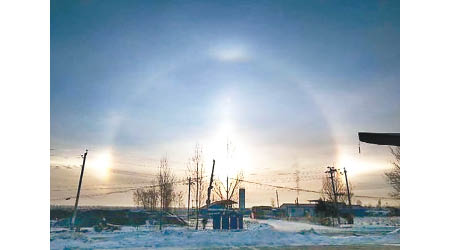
x: 376, y: 232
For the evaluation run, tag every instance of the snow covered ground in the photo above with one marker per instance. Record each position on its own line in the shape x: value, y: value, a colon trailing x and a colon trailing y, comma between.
x: 257, y: 233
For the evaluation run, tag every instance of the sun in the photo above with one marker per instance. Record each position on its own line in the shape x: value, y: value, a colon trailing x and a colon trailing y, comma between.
x: 230, y: 151
x: 101, y: 164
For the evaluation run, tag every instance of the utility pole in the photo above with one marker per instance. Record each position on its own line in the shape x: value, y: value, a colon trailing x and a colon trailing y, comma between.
x: 196, y: 201
x: 278, y: 203
x: 348, y: 189
x: 227, y: 190
x: 189, y: 198
x: 331, y: 171
x: 208, y: 201
x: 297, y: 181
x: 79, y: 188
x: 161, y: 194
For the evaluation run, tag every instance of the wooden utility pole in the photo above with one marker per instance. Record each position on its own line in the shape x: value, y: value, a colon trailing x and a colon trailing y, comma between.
x: 189, y: 198
x: 208, y: 201
x: 297, y: 181
x: 196, y: 201
x: 161, y: 198
x: 331, y: 171
x: 226, y: 204
x: 79, y: 188
x: 278, y: 203
x: 348, y: 189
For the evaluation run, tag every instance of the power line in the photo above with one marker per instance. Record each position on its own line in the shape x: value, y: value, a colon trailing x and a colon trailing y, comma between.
x: 98, y: 188
x: 281, y: 187
x: 376, y: 197
x: 314, y: 191
x: 120, y: 191
x: 61, y: 188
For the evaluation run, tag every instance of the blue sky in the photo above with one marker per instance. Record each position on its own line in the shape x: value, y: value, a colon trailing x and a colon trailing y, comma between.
x: 290, y: 83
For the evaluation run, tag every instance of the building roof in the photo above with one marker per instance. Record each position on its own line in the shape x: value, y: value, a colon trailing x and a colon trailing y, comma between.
x: 297, y: 205
x: 262, y: 207
x: 221, y: 203
x: 224, y: 202
x: 392, y: 139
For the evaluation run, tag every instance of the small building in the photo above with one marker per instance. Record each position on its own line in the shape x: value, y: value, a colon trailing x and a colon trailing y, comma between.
x: 377, y: 212
x: 356, y: 210
x: 219, y: 205
x: 223, y: 215
x: 298, y: 210
x: 262, y: 212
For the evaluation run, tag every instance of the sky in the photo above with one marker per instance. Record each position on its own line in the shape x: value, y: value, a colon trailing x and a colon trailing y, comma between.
x: 287, y: 85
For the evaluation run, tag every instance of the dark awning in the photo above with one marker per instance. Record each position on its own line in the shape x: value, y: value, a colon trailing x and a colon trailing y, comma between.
x: 391, y: 139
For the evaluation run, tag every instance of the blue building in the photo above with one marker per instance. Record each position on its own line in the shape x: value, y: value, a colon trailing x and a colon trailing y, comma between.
x: 298, y: 210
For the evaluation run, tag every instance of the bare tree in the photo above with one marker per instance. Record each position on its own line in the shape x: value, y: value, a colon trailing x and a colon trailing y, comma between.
x: 153, y: 196
x: 146, y: 197
x: 196, y: 170
x: 166, y: 184
x: 393, y: 175
x: 219, y: 190
x: 179, y: 198
x: 139, y: 198
x: 234, y: 184
x: 340, y: 188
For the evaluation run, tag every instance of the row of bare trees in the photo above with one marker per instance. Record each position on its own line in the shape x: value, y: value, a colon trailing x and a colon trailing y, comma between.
x: 147, y: 197
x: 161, y: 190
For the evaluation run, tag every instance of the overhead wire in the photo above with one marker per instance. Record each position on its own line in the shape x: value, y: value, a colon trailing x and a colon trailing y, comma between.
x: 314, y: 191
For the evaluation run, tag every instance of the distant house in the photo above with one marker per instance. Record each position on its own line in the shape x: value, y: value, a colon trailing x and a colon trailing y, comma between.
x: 356, y: 210
x: 219, y: 205
x: 298, y: 210
x: 262, y: 212
x: 378, y: 212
